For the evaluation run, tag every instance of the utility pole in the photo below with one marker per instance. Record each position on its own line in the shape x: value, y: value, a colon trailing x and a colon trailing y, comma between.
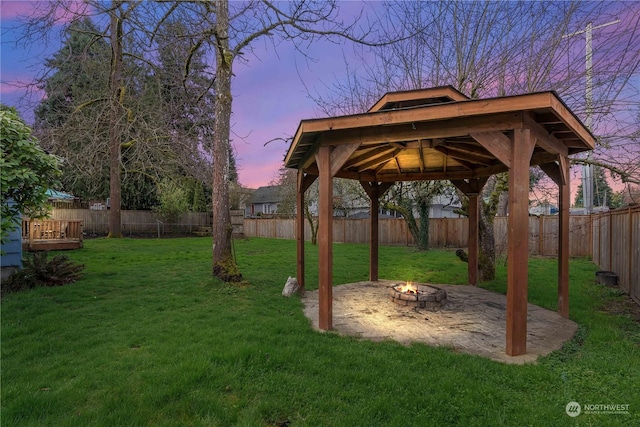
x: 587, y: 170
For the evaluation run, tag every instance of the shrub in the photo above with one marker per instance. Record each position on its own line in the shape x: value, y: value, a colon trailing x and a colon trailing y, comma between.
x: 39, y: 271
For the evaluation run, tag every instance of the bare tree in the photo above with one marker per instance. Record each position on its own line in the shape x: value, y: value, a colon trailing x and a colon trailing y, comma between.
x: 487, y: 49
x: 231, y: 29
x: 142, y: 111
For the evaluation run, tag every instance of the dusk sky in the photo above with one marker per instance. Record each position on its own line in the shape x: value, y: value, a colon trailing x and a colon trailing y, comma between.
x: 270, y: 98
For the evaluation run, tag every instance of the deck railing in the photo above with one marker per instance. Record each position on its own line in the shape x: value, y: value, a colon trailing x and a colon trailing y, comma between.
x: 51, y: 231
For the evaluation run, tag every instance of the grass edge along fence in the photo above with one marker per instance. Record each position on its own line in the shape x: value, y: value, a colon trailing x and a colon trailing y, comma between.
x: 615, y: 246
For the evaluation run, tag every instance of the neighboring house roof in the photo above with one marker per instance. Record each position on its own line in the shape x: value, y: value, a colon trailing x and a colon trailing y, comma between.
x: 268, y: 194
x: 59, y: 195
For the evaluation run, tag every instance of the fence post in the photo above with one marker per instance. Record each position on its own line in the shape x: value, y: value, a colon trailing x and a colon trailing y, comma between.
x: 541, y: 235
x: 610, y: 240
x: 446, y: 233
x: 599, y: 261
x: 31, y: 232
x: 630, y: 252
x: 344, y: 230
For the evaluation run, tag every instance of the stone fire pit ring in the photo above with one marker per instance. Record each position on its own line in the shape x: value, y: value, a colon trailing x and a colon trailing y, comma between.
x: 427, y: 296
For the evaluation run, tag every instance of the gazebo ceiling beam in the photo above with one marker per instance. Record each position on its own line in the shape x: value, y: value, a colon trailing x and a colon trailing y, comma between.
x: 401, y: 145
x: 310, y: 156
x: 470, y: 186
x: 380, y: 159
x: 340, y: 155
x: 460, y: 155
x: 368, y: 155
x: 536, y: 159
x: 543, y: 138
x: 470, y: 148
x: 496, y: 143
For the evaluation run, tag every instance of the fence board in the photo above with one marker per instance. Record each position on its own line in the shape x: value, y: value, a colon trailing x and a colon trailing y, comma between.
x: 616, y: 246
x: 580, y: 235
x: 634, y: 257
x: 612, y: 238
x: 619, y: 248
x: 393, y: 232
x: 443, y: 232
x: 595, y: 243
x: 97, y: 221
x: 605, y: 242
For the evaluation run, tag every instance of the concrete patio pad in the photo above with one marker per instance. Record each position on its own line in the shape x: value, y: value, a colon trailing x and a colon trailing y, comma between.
x: 473, y: 320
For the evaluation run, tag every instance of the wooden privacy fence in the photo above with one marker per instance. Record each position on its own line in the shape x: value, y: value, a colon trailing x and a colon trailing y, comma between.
x: 611, y: 238
x: 133, y: 222
x: 616, y: 246
x: 443, y: 232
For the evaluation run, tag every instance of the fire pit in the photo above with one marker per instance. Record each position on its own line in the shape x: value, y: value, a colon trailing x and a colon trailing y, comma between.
x: 418, y: 296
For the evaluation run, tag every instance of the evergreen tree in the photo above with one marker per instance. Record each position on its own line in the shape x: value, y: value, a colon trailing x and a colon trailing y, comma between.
x: 69, y: 114
x: 166, y: 107
x: 603, y: 195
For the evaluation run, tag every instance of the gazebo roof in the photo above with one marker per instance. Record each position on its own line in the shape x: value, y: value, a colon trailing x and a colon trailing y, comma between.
x: 434, y: 134
x: 438, y: 133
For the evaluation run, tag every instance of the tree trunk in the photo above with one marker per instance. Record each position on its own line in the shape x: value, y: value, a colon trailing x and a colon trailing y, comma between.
x: 487, y: 247
x: 503, y: 202
x: 115, y: 83
x: 423, y: 231
x: 313, y: 224
x: 224, y: 265
x: 486, y: 241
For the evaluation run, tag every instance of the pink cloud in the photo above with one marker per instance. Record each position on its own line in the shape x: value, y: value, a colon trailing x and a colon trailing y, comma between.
x: 10, y: 10
x: 15, y: 9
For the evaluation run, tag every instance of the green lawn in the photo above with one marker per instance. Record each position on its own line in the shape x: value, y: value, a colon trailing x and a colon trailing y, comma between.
x: 148, y: 338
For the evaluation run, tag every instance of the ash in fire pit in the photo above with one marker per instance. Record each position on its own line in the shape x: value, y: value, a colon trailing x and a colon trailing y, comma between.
x: 418, y: 296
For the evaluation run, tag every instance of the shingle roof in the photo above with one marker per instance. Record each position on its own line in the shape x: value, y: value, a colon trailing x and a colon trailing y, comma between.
x: 268, y: 194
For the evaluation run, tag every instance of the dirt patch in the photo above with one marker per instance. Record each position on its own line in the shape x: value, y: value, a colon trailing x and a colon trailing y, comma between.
x: 622, y: 306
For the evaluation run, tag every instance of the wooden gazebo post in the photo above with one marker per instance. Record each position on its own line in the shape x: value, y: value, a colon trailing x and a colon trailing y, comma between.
x: 325, y: 240
x: 564, y: 197
x: 374, y: 190
x: 303, y: 183
x: 472, y: 189
x: 300, y: 229
x: 374, y: 195
x: 559, y: 173
x: 518, y: 244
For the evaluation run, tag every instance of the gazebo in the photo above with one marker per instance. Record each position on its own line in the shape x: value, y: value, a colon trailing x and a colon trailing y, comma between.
x: 441, y: 134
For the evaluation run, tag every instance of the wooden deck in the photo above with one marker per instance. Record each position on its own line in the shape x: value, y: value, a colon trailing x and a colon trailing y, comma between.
x: 51, y: 235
